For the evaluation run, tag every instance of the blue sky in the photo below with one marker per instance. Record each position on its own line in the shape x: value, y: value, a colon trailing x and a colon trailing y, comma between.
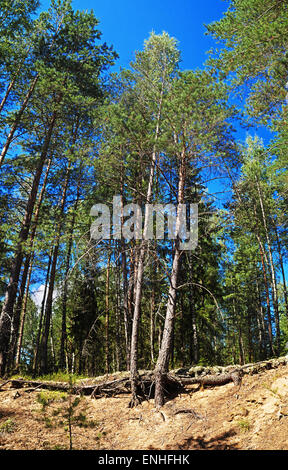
x: 126, y: 24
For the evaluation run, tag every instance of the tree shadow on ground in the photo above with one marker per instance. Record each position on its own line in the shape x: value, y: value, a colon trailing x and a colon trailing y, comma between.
x: 220, y: 442
x: 6, y: 413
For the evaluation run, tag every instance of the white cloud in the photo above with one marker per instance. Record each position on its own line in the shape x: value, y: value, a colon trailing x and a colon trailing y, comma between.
x: 37, y: 295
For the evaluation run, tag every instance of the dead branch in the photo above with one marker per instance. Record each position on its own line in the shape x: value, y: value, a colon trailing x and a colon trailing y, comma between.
x: 174, y: 382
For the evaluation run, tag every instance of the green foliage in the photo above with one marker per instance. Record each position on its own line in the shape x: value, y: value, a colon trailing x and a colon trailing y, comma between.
x: 106, y: 130
x: 46, y: 397
x: 8, y: 426
x: 254, y: 35
x: 244, y: 425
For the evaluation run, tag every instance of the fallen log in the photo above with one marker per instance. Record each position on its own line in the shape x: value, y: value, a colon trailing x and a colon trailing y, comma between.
x: 4, y: 383
x: 106, y: 388
x: 173, y: 383
x: 213, y: 380
x: 47, y: 385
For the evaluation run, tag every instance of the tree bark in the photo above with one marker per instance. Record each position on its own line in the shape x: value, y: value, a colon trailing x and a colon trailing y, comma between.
x: 107, y: 315
x: 140, y: 272
x: 63, y: 340
x: 270, y: 334
x: 22, y: 317
x: 126, y: 310
x: 12, y: 82
x: 152, y: 325
x: 194, y: 344
x: 272, y: 270
x: 261, y: 324
x: 28, y: 261
x: 127, y: 303
x: 49, y: 302
x: 18, y: 120
x: 282, y: 270
x: 162, y: 365
x: 6, y: 316
x: 36, y: 353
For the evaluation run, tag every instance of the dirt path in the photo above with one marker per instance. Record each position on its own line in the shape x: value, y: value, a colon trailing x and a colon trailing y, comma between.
x: 253, y: 418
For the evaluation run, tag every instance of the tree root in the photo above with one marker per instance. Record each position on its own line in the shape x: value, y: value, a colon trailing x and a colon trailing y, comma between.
x: 135, y: 400
x: 172, y: 384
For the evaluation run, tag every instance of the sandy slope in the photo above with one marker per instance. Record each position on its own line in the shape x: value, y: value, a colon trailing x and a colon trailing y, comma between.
x: 255, y: 417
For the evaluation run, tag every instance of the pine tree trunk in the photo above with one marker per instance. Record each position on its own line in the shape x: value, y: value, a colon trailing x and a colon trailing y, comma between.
x: 5, y: 98
x: 263, y: 259
x: 65, y: 286
x: 63, y: 340
x: 270, y: 334
x: 126, y: 310
x: 28, y: 261
x: 282, y: 270
x: 135, y: 330
x: 12, y: 83
x: 6, y: 316
x: 162, y: 365
x: 49, y: 302
x: 261, y: 325
x: 194, y: 345
x: 18, y: 120
x: 152, y: 325
x: 127, y: 303
x: 107, y: 315
x: 272, y: 270
x: 37, y: 348
x: 139, y: 276
x: 163, y: 359
x: 118, y: 331
x: 239, y: 331
x: 22, y: 317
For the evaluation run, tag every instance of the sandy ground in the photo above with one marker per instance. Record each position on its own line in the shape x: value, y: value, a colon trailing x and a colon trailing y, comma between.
x: 220, y: 418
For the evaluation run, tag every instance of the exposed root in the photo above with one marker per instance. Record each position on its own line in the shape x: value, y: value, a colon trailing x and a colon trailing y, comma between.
x: 135, y: 400
x: 149, y: 384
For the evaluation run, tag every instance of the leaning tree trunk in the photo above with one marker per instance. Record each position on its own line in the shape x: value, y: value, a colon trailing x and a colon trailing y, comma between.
x: 162, y: 365
x: 6, y: 316
x: 282, y: 270
x: 261, y: 324
x: 28, y: 262
x: 107, y: 314
x: 63, y: 340
x: 126, y: 309
x: 18, y: 120
x: 164, y: 353
x: 272, y: 270
x: 270, y: 333
x: 22, y: 109
x: 37, y: 347
x: 22, y: 317
x: 152, y: 324
x: 139, y: 274
x: 194, y: 343
x: 49, y: 302
x: 13, y: 81
x: 127, y: 303
x: 263, y: 257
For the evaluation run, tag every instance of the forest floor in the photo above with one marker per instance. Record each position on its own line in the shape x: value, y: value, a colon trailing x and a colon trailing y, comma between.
x: 255, y: 417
